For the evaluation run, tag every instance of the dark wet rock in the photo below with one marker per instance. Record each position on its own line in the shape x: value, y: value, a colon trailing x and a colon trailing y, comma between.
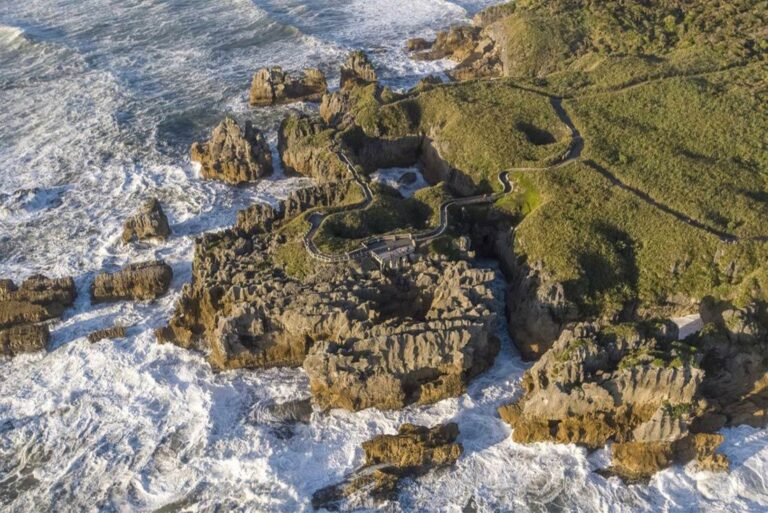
x: 357, y: 69
x: 37, y: 299
x: 272, y: 86
x: 107, y: 334
x: 143, y: 281
x: 149, y: 222
x: 234, y: 155
x: 26, y: 338
x: 413, y: 451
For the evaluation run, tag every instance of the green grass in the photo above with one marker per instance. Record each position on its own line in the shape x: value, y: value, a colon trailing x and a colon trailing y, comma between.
x: 695, y: 144
x: 388, y: 213
x: 481, y: 128
x: 609, y: 248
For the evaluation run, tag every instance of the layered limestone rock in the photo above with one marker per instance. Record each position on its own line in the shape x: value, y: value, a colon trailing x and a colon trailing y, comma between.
x: 634, y: 385
x: 107, y: 334
x: 306, y: 147
x: 365, y: 338
x: 260, y: 218
x: 474, y: 48
x: 37, y: 299
x: 149, y: 222
x: 25, y: 308
x: 413, y: 451
x: 234, y: 155
x: 271, y: 86
x: 143, y: 281
x: 25, y: 338
x: 357, y: 68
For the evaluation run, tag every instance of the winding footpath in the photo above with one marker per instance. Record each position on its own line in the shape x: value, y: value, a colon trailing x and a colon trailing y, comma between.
x: 572, y: 154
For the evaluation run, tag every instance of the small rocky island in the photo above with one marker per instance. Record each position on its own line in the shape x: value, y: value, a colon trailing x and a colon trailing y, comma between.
x: 598, y: 159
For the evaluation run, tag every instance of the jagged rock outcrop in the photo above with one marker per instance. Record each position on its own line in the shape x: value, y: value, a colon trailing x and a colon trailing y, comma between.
x: 234, y: 155
x: 633, y: 385
x: 143, y: 281
x: 413, y: 451
x: 271, y: 86
x: 149, y: 222
x: 420, y: 336
x: 107, y: 334
x: 306, y: 147
x: 260, y: 218
x: 24, y: 309
x: 473, y: 47
x: 357, y: 68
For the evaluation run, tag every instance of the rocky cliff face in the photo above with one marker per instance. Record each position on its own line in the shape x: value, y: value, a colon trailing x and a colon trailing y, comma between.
x: 271, y: 86
x: 234, y: 155
x: 25, y: 308
x: 306, y: 148
x: 413, y: 451
x: 658, y: 400
x: 357, y: 69
x: 474, y: 48
x: 260, y: 218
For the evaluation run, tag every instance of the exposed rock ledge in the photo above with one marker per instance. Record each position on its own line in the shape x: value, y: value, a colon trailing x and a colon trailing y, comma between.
x: 24, y: 309
x: 413, y: 451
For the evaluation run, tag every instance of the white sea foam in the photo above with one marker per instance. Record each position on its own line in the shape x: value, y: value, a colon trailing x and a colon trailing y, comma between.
x: 394, y: 177
x: 99, y: 101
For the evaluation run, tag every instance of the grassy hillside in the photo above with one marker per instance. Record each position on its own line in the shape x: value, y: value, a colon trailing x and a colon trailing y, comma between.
x: 482, y: 128
x: 609, y: 248
x: 695, y: 144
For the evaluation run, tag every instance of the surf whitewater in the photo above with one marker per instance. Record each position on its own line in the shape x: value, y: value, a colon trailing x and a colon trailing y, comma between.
x: 99, y: 103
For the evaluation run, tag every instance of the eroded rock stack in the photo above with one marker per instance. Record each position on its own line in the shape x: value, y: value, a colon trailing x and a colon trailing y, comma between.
x: 143, y: 281
x: 24, y: 310
x: 149, y: 222
x: 271, y: 86
x: 413, y: 451
x: 357, y: 68
x: 234, y: 155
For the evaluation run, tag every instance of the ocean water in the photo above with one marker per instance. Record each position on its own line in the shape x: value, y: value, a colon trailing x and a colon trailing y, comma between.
x: 99, y: 102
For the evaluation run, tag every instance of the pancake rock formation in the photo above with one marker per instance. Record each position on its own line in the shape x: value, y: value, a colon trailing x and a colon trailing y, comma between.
x: 25, y: 308
x: 271, y: 86
x: 413, y: 451
x: 234, y: 155
x: 149, y: 222
x: 143, y: 281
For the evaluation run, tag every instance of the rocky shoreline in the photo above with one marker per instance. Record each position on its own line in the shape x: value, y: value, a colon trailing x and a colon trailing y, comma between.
x: 369, y: 336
